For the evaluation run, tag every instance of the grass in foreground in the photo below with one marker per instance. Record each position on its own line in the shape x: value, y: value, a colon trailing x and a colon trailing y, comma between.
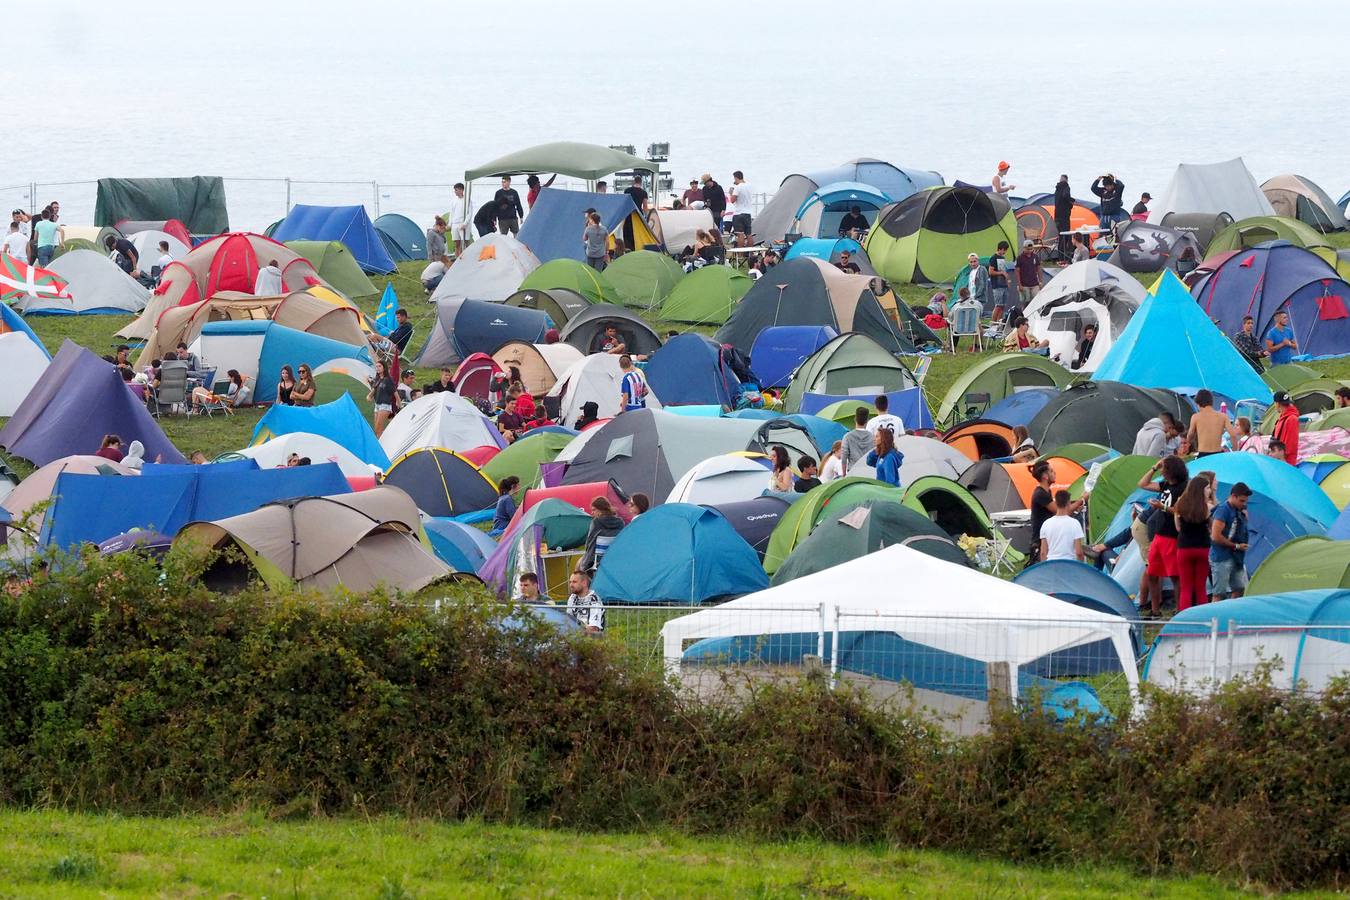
x: 53, y: 854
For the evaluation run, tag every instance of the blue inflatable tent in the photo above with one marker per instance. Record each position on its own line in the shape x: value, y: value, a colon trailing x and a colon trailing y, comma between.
x: 348, y: 224
x: 401, y: 237
x: 780, y: 349
x: 689, y: 370
x: 678, y: 552
x: 282, y: 346
x: 340, y: 421
x: 93, y: 508
x: 481, y: 327
x: 553, y: 227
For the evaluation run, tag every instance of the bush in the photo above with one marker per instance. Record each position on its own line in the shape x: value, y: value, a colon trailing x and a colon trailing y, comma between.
x: 134, y: 689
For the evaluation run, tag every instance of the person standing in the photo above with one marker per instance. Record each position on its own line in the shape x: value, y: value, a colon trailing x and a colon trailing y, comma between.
x: 16, y: 243
x: 714, y: 199
x: 1141, y: 208
x: 998, y: 280
x: 48, y: 236
x: 23, y: 220
x: 1228, y: 543
x: 632, y: 385
x: 506, y: 505
x: 1028, y: 274
x: 1162, y: 527
x: 1041, y: 506
x: 1280, y: 343
x: 437, y: 249
x: 1248, y: 345
x: 858, y: 442
x: 1063, y: 214
x: 459, y: 219
x: 885, y: 458
x: 740, y: 209
x: 1208, y: 426
x: 1286, y: 427
x: 1062, y: 534
x: 381, y: 394
x: 692, y: 194
x: 509, y: 210
x: 605, y: 527
x: 976, y: 279
x: 1193, y: 543
x: 595, y: 240
x: 1001, y: 188
x: 1111, y: 193
x: 883, y: 418
x: 639, y: 198
x: 535, y: 187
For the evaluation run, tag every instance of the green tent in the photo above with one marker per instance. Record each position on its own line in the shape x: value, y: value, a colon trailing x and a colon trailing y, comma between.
x: 930, y: 233
x: 330, y: 386
x: 995, y: 378
x: 1288, y: 376
x: 79, y: 244
x: 846, y: 533
x: 844, y: 411
x: 335, y: 265
x: 851, y: 360
x: 1336, y: 484
x: 949, y: 505
x: 1259, y: 229
x: 198, y: 202
x: 1318, y: 395
x: 1333, y: 418
x: 1305, y: 563
x: 644, y: 279
x: 522, y: 459
x: 802, y: 517
x: 1117, y: 479
x: 705, y: 297
x: 574, y: 276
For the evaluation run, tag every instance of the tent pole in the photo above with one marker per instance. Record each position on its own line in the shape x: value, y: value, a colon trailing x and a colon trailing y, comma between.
x: 375, y: 190
x: 288, y: 199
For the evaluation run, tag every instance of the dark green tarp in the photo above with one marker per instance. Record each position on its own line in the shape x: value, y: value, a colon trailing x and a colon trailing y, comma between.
x: 198, y: 202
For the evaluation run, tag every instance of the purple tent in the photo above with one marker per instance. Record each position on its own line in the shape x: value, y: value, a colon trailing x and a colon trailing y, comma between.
x: 78, y: 400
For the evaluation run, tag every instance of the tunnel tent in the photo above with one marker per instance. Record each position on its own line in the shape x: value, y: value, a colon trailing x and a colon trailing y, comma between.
x: 559, y: 304
x: 553, y: 227
x: 851, y: 363
x: 198, y: 202
x: 706, y: 296
x: 490, y: 269
x: 807, y: 291
x: 773, y: 221
x: 1089, y: 292
x: 997, y: 378
x: 923, y: 237
x: 810, y: 510
x: 349, y: 225
x: 403, y: 239
x: 1296, y: 197
x: 820, y: 213
x: 1146, y: 247
x: 586, y: 331
x: 1257, y: 230
x: 645, y: 278
x: 335, y: 265
x: 950, y: 506
x: 1224, y: 187
x: 574, y: 276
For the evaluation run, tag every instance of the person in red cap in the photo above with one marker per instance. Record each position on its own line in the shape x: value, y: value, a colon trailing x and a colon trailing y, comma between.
x: 1286, y: 427
x: 1001, y: 189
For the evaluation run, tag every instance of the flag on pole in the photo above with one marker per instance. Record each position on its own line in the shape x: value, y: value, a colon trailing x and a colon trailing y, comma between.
x: 384, y: 315
x: 18, y: 280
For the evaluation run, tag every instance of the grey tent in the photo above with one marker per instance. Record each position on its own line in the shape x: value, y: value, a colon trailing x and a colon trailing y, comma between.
x: 1103, y: 412
x: 586, y: 329
x: 1201, y: 226
x: 754, y: 520
x: 1211, y: 188
x: 1142, y: 247
x: 1296, y: 197
x: 990, y: 483
x: 773, y: 220
x: 96, y: 285
x: 560, y: 304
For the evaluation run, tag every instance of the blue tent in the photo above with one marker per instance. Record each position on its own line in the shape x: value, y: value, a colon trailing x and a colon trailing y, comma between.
x: 284, y: 346
x: 552, y: 230
x: 401, y: 237
x: 348, y: 224
x: 1171, y: 343
x: 825, y: 249
x: 1340, y: 529
x: 1020, y: 408
x: 1082, y: 585
x: 690, y: 369
x: 93, y: 508
x: 340, y: 421
x: 822, y: 432
x: 12, y: 321
x: 481, y: 327
x: 836, y: 199
x: 910, y: 405
x: 893, y: 181
x: 678, y: 552
x: 1276, y: 275
x: 461, y: 547
x: 780, y: 349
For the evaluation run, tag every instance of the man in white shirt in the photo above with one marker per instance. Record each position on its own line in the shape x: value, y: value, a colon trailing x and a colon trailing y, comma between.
x: 739, y: 198
x: 1061, y: 534
x: 431, y: 276
x: 583, y: 604
x: 16, y: 245
x: 459, y: 219
x: 23, y: 220
x: 883, y: 418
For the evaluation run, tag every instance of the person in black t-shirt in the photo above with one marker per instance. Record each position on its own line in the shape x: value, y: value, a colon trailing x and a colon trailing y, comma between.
x: 127, y: 259
x: 1042, y: 506
x: 853, y: 224
x: 509, y: 210
x: 640, y: 201
x: 485, y: 220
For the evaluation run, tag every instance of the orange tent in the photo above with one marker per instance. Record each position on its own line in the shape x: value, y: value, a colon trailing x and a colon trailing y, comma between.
x: 1066, y: 473
x: 981, y: 439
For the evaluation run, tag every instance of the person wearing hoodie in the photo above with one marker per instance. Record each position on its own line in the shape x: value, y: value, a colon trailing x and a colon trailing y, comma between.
x: 268, y: 282
x: 1160, y: 436
x: 135, y: 457
x: 858, y: 442
x: 605, y: 527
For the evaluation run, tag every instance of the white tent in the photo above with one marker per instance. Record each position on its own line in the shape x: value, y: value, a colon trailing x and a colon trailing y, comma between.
x: 540, y: 365
x: 96, y: 286
x: 1296, y: 197
x: 147, y: 246
x: 595, y: 378
x: 676, y: 227
x: 23, y: 365
x: 443, y: 419
x: 1089, y: 292
x: 1225, y: 187
x: 928, y: 601
x: 231, y: 345
x: 923, y: 456
x: 319, y: 449
x: 726, y: 478
x: 491, y: 268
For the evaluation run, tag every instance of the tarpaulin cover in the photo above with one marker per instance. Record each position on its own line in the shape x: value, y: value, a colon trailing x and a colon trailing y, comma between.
x: 198, y: 202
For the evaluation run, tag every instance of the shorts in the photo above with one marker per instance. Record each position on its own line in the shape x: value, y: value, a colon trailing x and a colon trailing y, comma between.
x: 508, y: 226
x: 460, y: 232
x: 1139, y: 531
x: 740, y: 223
x: 1162, y: 557
x: 384, y: 408
x: 1227, y: 576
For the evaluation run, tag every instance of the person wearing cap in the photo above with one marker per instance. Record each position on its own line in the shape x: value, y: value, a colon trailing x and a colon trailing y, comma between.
x: 1141, y: 208
x: 1001, y: 188
x: 1228, y: 538
x: 1112, y: 193
x: 1280, y: 342
x: 1028, y: 268
x: 692, y: 194
x: 714, y: 198
x: 974, y: 278
x: 1286, y: 427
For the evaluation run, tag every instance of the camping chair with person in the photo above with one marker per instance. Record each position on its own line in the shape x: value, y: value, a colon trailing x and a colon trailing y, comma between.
x: 964, y: 321
x: 172, y: 392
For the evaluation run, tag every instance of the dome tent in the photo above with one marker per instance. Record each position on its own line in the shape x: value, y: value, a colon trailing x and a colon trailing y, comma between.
x: 25, y: 360
x: 706, y: 296
x: 810, y: 510
x: 1257, y: 230
x: 1085, y: 293
x: 1103, y: 412
x: 922, y: 238
x: 540, y: 365
x: 643, y: 279
x: 586, y: 331
x: 348, y: 225
x: 780, y: 349
x: 559, y: 304
x: 573, y: 275
x: 95, y: 286
x: 230, y: 263
x: 1145, y: 247
x: 592, y: 379
x: 490, y: 269
x: 466, y: 327
x: 441, y: 419
x: 1226, y: 187
x: 848, y: 363
x: 808, y: 292
x: 1311, y: 562
x: 335, y: 265
x: 820, y: 213
x: 402, y: 238
x: 1083, y: 586
x: 1296, y: 197
x: 441, y: 482
x: 690, y: 369
x: 726, y: 478
x: 773, y: 221
x: 996, y: 378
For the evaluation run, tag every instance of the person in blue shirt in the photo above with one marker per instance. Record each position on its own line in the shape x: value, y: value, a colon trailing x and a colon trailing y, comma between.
x: 1228, y: 544
x: 633, y: 386
x: 506, y: 504
x: 885, y: 458
x: 1280, y: 341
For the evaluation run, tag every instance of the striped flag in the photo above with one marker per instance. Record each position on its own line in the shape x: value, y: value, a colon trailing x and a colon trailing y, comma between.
x: 19, y: 280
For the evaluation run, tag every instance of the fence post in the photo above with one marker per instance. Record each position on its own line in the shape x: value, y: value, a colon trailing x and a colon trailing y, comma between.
x: 1213, y: 651
x: 375, y: 189
x: 834, y: 651
x: 1232, y: 635
x: 998, y: 675
x: 820, y: 633
x: 288, y: 199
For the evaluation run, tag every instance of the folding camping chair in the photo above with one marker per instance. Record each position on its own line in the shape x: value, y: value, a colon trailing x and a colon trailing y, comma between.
x: 920, y: 370
x: 172, y: 391
x: 964, y: 321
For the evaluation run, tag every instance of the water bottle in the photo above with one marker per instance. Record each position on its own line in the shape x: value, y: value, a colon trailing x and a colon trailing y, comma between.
x: 1226, y: 442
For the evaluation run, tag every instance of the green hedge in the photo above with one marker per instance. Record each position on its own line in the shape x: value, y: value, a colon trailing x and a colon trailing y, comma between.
x: 131, y: 689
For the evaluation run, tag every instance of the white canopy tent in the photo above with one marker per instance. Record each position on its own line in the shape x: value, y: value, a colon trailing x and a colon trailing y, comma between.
x: 928, y: 601
x: 1212, y: 188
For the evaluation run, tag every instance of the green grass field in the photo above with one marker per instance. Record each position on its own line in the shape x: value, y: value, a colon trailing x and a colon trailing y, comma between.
x: 53, y: 854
